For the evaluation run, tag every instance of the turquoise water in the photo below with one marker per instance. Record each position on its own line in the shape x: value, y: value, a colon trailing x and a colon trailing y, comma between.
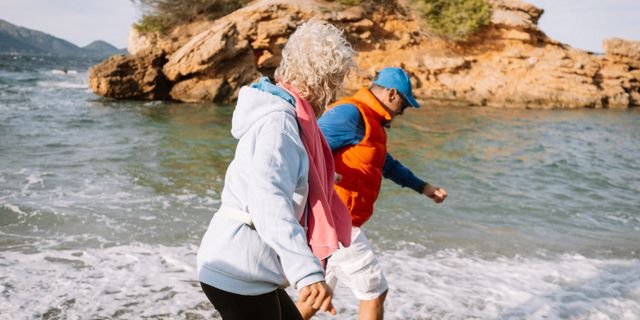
x: 103, y: 204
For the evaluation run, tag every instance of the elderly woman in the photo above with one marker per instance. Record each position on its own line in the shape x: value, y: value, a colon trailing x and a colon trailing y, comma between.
x: 280, y: 218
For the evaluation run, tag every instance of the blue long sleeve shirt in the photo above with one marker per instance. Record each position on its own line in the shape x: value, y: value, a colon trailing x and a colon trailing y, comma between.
x: 343, y: 126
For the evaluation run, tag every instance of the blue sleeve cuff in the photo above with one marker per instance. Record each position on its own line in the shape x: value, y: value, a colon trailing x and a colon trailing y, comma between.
x: 417, y: 186
x: 310, y: 279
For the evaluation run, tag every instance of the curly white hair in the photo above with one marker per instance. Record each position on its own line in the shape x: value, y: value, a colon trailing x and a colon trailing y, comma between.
x: 315, y: 61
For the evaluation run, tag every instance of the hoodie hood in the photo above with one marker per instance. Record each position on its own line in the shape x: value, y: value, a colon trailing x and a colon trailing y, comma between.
x: 253, y: 105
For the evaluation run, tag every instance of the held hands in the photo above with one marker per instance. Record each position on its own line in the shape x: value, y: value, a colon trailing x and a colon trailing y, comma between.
x: 318, y: 297
x: 437, y: 194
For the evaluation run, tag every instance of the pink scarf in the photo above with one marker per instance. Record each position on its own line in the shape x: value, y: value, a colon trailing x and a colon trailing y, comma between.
x: 329, y: 221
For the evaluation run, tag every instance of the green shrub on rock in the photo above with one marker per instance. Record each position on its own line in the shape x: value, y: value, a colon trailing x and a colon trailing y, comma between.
x: 161, y: 15
x: 151, y: 24
x: 454, y: 19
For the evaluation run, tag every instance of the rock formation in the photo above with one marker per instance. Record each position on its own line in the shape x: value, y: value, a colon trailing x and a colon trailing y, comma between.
x: 131, y: 77
x: 511, y: 63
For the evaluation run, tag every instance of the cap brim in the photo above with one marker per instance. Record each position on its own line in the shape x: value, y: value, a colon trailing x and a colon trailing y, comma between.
x: 412, y: 102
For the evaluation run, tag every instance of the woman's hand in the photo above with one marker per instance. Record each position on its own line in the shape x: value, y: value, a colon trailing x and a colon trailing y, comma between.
x: 317, y: 296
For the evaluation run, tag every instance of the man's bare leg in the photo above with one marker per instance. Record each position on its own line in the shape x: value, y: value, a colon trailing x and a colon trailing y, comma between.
x: 372, y: 309
x: 369, y: 309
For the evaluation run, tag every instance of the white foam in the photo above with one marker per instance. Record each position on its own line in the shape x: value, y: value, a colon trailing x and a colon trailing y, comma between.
x: 624, y: 218
x: 103, y: 195
x: 137, y: 281
x: 129, y: 281
x: 32, y: 180
x: 13, y: 208
x: 62, y: 84
x: 62, y: 72
x: 454, y: 285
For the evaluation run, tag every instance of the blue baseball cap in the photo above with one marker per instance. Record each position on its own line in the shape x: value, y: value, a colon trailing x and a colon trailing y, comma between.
x: 398, y: 79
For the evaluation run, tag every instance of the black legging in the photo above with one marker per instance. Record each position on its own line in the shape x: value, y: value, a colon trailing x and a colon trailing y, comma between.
x: 276, y: 305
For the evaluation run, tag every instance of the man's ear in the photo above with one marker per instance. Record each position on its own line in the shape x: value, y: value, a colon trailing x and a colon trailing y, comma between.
x: 392, y: 94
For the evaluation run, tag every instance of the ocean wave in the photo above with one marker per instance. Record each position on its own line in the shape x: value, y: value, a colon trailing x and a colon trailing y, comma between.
x: 158, y: 281
x: 64, y: 72
x: 34, y: 179
x: 62, y: 84
x: 13, y: 208
x: 126, y: 281
x: 451, y: 284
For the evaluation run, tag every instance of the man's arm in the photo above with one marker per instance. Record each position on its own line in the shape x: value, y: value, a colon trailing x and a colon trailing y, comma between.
x: 401, y: 175
x: 342, y: 126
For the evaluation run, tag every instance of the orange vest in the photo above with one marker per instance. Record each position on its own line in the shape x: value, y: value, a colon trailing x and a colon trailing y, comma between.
x: 361, y: 164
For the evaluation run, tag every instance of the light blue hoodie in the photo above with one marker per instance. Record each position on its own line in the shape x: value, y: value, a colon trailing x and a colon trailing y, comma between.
x: 267, y: 179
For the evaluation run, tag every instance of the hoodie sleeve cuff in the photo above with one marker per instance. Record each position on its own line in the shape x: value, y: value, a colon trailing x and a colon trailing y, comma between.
x: 310, y: 279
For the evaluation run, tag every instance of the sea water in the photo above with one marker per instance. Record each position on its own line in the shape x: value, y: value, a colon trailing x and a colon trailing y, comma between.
x: 103, y: 204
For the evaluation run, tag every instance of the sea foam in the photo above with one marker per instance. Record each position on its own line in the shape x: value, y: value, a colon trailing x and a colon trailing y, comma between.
x: 140, y: 280
x: 62, y: 85
x: 63, y: 72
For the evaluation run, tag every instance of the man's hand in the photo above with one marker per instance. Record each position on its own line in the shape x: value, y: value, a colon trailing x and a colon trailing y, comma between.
x: 317, y: 296
x: 437, y: 194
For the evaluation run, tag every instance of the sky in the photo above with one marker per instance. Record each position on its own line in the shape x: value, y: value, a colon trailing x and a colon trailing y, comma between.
x: 78, y: 21
x: 580, y: 23
x: 584, y: 24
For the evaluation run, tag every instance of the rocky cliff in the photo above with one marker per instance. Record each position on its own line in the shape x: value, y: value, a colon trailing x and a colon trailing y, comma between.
x: 511, y: 63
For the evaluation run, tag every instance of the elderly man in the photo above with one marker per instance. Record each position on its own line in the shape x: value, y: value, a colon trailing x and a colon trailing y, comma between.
x: 355, y: 130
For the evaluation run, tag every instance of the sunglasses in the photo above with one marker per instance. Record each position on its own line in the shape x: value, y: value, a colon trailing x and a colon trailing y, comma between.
x: 405, y: 103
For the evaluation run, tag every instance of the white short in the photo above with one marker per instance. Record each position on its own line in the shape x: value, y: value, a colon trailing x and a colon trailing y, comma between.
x: 358, y: 268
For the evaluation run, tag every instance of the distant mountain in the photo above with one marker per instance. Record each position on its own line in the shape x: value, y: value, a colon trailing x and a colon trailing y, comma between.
x: 103, y: 47
x: 19, y: 40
